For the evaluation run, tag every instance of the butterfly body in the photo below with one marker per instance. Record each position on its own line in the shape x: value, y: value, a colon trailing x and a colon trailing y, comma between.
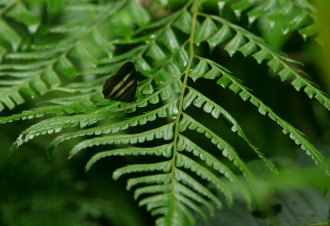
x: 122, y: 85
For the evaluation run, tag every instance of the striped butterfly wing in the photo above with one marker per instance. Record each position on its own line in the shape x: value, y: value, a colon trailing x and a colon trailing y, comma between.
x: 122, y: 86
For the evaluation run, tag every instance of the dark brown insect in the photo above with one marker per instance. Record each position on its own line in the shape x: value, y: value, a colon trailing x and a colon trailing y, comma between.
x: 122, y: 85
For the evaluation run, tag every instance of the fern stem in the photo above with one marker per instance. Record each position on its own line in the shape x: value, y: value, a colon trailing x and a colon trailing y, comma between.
x: 186, y: 73
x: 159, y: 34
x: 180, y: 111
x: 189, y: 66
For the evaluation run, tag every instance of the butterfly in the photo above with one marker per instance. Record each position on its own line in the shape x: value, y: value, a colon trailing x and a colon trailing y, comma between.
x: 122, y: 85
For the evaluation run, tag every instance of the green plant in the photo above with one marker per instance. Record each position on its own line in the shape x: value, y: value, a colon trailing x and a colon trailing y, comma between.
x: 63, y: 52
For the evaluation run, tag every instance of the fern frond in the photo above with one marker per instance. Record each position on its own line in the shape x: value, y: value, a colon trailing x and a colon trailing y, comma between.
x: 157, y: 179
x: 151, y: 190
x: 168, y: 57
x: 182, y: 199
x: 227, y: 150
x: 55, y: 61
x: 151, y: 167
x: 55, y: 125
x: 290, y: 15
x: 115, y: 127
x: 165, y: 132
x: 209, y: 106
x: 77, y: 104
x: 294, y: 134
x: 164, y: 150
x: 261, y: 51
x: 194, y: 196
x: 186, y: 179
x: 187, y: 145
x: 187, y: 163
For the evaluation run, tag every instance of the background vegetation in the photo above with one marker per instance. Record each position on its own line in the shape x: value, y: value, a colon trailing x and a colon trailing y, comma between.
x: 56, y: 56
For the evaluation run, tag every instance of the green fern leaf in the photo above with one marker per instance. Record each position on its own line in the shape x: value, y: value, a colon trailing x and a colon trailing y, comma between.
x: 241, y: 5
x: 185, y: 162
x: 21, y: 14
x: 190, y: 204
x: 154, y: 179
x: 169, y: 39
x: 183, y: 22
x: 194, y: 196
x: 10, y: 35
x: 206, y: 29
x: 151, y: 189
x: 165, y: 132
x: 165, y: 150
x: 161, y: 166
x: 234, y: 44
x: 227, y: 150
x: 198, y: 71
x: 66, y: 67
x: 184, y: 178
x: 220, y: 36
x: 248, y: 48
x: 91, y: 40
x: 308, y: 31
x: 264, y: 8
